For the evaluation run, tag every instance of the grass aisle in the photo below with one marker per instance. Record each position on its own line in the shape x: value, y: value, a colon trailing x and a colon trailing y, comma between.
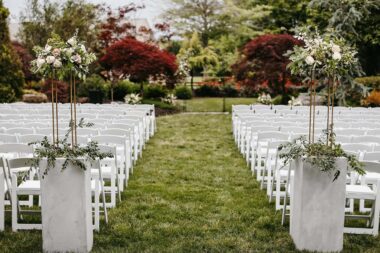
x: 191, y: 192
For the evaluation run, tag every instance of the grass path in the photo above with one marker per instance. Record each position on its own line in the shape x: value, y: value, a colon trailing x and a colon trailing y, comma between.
x: 191, y: 192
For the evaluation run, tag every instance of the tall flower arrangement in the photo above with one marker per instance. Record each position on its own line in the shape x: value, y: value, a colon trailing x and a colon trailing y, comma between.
x: 64, y: 61
x: 324, y: 60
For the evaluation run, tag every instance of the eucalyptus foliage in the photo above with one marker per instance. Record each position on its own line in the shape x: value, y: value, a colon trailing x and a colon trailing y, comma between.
x: 73, y: 154
x: 319, y: 155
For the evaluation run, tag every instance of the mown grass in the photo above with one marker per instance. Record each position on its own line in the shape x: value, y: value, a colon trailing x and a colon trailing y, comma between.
x: 191, y: 192
x: 213, y: 104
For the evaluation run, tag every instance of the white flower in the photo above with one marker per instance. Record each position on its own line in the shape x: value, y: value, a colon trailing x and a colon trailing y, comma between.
x: 56, y: 52
x: 76, y: 58
x: 69, y: 51
x: 40, y: 62
x: 337, y: 56
x: 50, y: 59
x: 310, y: 60
x: 57, y: 63
x: 47, y: 48
x: 72, y: 41
x: 83, y: 48
x: 335, y: 49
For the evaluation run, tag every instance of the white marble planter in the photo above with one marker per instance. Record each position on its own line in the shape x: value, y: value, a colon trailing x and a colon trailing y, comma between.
x: 317, y: 207
x: 66, y: 209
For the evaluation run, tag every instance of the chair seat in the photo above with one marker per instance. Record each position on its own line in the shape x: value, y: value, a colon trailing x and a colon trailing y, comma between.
x: 106, y: 172
x: 29, y: 185
x: 359, y: 192
x: 372, y: 177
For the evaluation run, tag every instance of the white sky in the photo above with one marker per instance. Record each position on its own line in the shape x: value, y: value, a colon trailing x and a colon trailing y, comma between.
x: 153, y: 8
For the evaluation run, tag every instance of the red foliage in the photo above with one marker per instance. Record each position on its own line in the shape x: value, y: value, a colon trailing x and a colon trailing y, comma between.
x: 117, y: 26
x: 63, y: 90
x: 263, y: 65
x: 140, y: 61
x: 25, y: 58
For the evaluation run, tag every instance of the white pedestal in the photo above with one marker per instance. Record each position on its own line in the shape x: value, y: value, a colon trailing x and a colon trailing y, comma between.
x: 66, y: 209
x: 317, y: 207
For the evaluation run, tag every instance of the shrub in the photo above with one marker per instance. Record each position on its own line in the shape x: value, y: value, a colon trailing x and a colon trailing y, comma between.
x: 230, y: 91
x: 207, y: 91
x: 154, y: 92
x: 95, y: 88
x: 370, y: 81
x: 264, y: 64
x: 7, y: 94
x: 140, y: 61
x: 63, y: 90
x: 373, y: 99
x: 183, y: 92
x: 34, y: 85
x: 159, y: 104
x: 123, y: 88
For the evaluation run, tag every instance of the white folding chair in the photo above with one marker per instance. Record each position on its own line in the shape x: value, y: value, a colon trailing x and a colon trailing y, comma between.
x: 8, y: 138
x: 28, y: 187
x: 367, y: 193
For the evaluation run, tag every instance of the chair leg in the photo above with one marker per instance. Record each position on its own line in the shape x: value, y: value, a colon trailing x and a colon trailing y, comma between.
x: 2, y: 202
x: 14, y: 203
x: 96, y: 197
x: 377, y: 211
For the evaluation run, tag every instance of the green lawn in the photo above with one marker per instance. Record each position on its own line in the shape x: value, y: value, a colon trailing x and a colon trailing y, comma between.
x: 213, y: 104
x: 191, y: 192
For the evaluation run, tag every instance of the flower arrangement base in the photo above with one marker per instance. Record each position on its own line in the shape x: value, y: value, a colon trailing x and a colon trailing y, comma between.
x: 317, y: 207
x: 66, y: 209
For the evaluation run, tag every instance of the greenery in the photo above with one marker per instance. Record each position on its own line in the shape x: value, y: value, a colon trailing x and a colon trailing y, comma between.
x: 73, y: 154
x: 160, y: 104
x: 123, y: 88
x: 154, y: 92
x: 7, y: 94
x: 207, y: 91
x: 11, y: 74
x: 95, y: 88
x: 182, y: 92
x: 39, y: 20
x: 213, y: 104
x: 319, y: 154
x: 200, y: 198
x: 372, y: 82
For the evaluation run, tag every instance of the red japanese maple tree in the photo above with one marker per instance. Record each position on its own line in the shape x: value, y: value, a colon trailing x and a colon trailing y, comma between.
x: 263, y: 64
x: 140, y: 61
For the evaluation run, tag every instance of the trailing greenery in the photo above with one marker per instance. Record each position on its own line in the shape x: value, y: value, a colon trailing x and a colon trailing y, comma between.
x: 319, y: 154
x: 74, y: 154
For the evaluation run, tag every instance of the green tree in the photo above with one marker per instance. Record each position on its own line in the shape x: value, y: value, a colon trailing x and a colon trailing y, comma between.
x: 357, y: 21
x: 197, y: 57
x: 11, y: 76
x: 201, y: 16
x: 39, y: 21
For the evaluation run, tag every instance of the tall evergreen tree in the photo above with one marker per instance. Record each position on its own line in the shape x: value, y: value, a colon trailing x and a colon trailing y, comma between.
x: 11, y: 76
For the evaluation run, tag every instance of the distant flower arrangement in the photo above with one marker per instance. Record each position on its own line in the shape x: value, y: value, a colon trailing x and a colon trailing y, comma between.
x: 169, y: 99
x: 264, y: 99
x: 133, y: 99
x: 58, y: 57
